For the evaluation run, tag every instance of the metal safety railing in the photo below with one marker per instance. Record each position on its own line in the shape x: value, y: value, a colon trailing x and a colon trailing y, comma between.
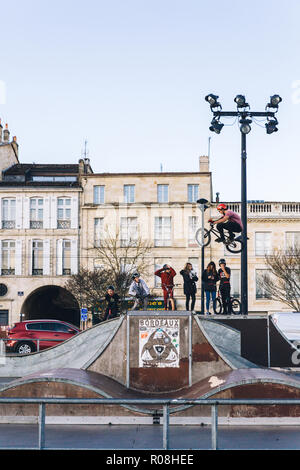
x: 35, y: 341
x: 164, y: 403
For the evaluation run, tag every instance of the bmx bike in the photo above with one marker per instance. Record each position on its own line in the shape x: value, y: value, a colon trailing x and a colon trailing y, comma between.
x: 234, y: 246
x: 234, y: 305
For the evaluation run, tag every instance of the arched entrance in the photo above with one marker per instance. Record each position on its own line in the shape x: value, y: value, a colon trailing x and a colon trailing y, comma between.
x: 51, y: 302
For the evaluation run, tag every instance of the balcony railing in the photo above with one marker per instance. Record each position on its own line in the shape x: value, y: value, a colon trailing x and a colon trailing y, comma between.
x: 36, y: 224
x: 8, y: 224
x: 268, y: 209
x: 65, y: 224
x: 7, y: 272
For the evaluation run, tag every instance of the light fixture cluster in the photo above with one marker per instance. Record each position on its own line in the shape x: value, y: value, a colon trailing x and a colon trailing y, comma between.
x: 243, y: 113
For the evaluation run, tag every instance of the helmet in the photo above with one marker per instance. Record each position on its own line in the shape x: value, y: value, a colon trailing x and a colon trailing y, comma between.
x: 221, y: 206
x: 110, y: 288
x: 135, y: 275
x: 222, y: 261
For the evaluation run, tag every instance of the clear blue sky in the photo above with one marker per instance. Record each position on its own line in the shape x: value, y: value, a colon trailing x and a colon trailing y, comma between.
x: 131, y: 77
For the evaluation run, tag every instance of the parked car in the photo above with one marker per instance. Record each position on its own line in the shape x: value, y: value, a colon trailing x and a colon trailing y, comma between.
x: 288, y: 323
x: 23, y: 336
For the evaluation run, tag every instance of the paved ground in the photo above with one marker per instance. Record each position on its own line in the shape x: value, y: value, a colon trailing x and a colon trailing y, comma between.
x: 149, y: 437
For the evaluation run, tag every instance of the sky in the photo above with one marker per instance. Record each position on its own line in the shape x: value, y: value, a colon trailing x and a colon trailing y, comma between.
x: 130, y: 77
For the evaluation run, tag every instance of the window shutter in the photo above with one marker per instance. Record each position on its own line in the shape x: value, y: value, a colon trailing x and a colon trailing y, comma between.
x: 19, y: 212
x: 74, y: 257
x: 18, y: 261
x: 30, y: 257
x: 53, y: 213
x: 46, y: 213
x: 74, y: 212
x: 0, y: 256
x: 46, y: 257
x: 59, y: 250
x: 26, y: 212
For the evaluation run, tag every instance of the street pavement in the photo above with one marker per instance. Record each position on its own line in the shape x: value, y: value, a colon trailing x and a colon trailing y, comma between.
x: 116, y: 437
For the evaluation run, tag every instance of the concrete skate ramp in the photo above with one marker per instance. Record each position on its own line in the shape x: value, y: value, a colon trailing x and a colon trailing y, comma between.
x: 79, y: 351
x: 226, y: 341
x: 261, y: 344
x: 237, y: 384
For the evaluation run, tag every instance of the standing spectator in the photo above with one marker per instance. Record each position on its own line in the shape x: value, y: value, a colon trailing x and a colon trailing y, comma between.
x: 210, y: 278
x: 167, y: 274
x: 140, y: 291
x: 189, y: 285
x: 224, y: 276
x: 112, y: 300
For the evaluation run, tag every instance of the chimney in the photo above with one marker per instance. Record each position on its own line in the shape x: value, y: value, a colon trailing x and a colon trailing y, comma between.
x: 15, y: 146
x: 6, y: 134
x: 204, y: 164
x: 217, y: 197
x: 1, y: 127
x: 81, y: 166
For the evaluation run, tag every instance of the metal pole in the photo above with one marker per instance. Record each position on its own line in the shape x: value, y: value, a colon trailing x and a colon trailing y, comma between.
x: 202, y: 257
x: 268, y: 332
x: 244, y: 254
x: 214, y: 427
x: 166, y: 418
x: 42, y: 419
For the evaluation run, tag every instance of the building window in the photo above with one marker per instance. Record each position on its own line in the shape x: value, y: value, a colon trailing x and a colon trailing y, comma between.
x: 162, y: 231
x: 64, y: 213
x: 8, y: 213
x: 259, y: 288
x: 129, y: 190
x: 193, y: 226
x: 99, y: 194
x: 66, y: 258
x: 128, y: 231
x: 235, y: 283
x: 193, y: 192
x: 162, y: 193
x: 36, y: 213
x: 98, y: 231
x: 262, y: 243
x: 37, y: 258
x: 292, y: 240
x: 8, y: 257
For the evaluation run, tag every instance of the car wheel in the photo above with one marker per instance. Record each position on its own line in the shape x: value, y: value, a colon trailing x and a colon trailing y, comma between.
x: 24, y: 348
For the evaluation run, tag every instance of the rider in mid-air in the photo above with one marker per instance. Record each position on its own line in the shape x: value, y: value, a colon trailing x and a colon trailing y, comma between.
x: 230, y: 221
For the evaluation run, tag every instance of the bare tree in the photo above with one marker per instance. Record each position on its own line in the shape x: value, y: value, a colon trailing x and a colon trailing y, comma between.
x: 282, y: 282
x: 88, y: 287
x: 122, y: 258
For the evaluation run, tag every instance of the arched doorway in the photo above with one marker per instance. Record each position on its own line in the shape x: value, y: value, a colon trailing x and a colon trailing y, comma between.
x: 51, y: 302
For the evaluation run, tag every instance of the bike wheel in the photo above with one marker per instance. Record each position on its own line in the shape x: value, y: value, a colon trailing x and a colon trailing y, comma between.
x: 217, y: 306
x: 235, y: 246
x: 207, y: 237
x: 235, y: 305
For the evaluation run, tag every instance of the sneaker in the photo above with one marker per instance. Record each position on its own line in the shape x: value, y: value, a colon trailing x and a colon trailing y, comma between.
x: 231, y: 237
x: 220, y: 240
x: 208, y: 313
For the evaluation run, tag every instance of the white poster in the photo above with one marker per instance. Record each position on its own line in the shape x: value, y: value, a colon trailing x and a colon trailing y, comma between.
x: 159, y: 342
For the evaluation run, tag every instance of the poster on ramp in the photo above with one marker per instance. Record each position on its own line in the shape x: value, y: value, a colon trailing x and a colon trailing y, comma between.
x: 159, y: 342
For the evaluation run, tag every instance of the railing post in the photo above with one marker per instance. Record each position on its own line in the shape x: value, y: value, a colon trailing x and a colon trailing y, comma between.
x: 214, y: 426
x: 38, y: 345
x: 42, y: 419
x: 166, y: 417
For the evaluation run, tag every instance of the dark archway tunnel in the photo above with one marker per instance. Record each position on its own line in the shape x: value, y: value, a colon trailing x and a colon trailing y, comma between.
x: 51, y: 302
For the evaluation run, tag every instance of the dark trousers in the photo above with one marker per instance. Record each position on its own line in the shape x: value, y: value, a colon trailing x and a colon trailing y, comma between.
x: 110, y: 312
x: 189, y: 296
x: 225, y: 295
x: 230, y: 226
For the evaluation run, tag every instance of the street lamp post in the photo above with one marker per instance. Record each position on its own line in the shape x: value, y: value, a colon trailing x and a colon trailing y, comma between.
x: 202, y: 206
x: 245, y: 117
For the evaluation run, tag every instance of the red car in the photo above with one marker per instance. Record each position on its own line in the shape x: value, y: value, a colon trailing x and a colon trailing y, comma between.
x: 23, y: 336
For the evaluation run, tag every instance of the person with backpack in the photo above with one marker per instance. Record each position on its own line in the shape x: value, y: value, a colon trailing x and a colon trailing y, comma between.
x: 210, y: 278
x: 189, y: 285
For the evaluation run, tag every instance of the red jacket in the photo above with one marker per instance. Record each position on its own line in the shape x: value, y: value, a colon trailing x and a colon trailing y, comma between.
x: 166, y: 278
